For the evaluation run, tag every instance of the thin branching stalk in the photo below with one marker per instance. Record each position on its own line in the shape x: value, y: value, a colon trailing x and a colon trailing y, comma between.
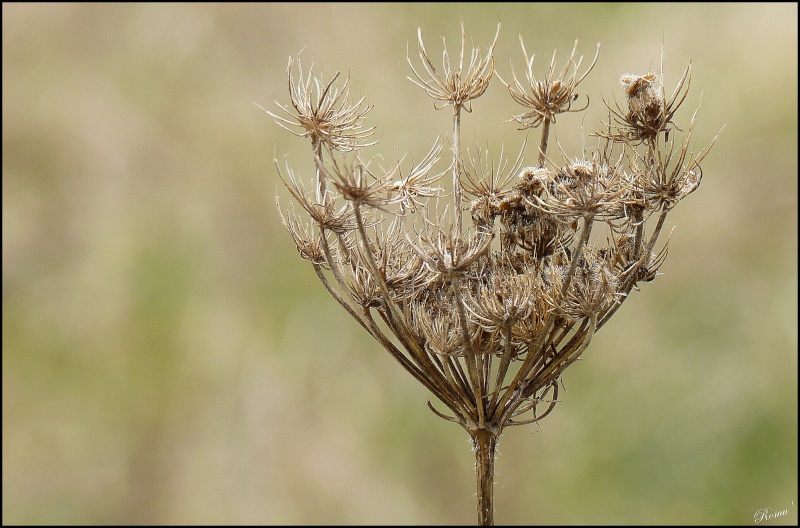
x: 543, y: 143
x: 457, y: 190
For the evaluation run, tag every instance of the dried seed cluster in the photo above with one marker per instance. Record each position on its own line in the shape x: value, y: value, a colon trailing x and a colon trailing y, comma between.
x: 487, y: 310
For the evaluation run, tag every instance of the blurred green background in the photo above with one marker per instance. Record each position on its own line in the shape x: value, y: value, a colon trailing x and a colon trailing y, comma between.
x: 168, y: 357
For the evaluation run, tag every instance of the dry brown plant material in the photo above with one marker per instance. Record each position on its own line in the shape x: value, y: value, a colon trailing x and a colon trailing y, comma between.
x: 488, y: 315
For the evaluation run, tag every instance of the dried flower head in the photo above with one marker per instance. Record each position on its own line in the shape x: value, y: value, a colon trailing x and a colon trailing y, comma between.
x: 323, y: 113
x: 307, y: 244
x: 648, y: 111
x: 551, y: 95
x: 455, y: 85
x: 488, y: 317
x: 415, y: 188
x: 322, y: 210
x: 449, y: 254
x: 358, y: 184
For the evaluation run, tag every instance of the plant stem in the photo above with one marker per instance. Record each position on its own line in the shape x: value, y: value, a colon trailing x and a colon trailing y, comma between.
x: 471, y: 358
x: 543, y: 144
x: 457, y: 167
x: 485, y: 442
x: 322, y: 185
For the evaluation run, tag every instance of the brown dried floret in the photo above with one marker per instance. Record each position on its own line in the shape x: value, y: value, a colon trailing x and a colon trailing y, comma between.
x: 455, y: 85
x: 323, y: 113
x: 648, y: 111
x: 552, y: 95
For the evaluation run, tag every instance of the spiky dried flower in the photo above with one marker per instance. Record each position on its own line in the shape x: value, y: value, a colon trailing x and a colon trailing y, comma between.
x: 358, y: 184
x: 488, y: 316
x: 502, y: 301
x: 418, y: 185
x: 455, y: 85
x: 307, y: 244
x: 582, y: 189
x: 323, y: 113
x: 671, y: 176
x: 549, y: 96
x: 648, y: 112
x: 449, y: 254
x: 323, y: 211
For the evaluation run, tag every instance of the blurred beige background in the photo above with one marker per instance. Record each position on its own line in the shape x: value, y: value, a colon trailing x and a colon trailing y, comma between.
x: 168, y: 357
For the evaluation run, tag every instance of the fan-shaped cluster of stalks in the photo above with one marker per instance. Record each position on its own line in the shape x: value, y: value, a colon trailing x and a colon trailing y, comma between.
x: 486, y: 291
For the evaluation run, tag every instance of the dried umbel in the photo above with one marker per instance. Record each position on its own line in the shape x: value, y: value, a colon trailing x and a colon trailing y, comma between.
x: 549, y: 96
x: 488, y: 313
